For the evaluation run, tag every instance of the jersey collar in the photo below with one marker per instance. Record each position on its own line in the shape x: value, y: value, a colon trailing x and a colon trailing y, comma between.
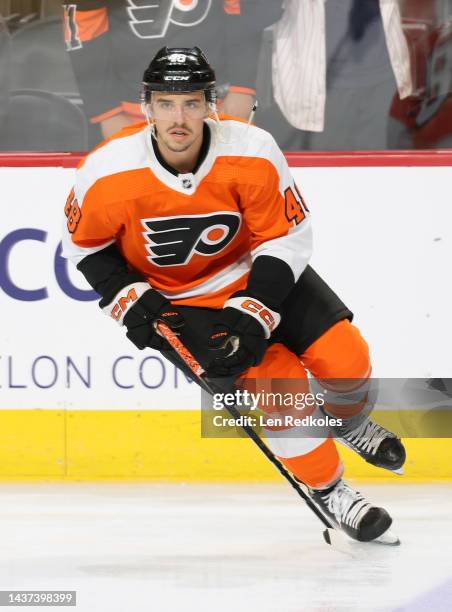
x: 184, y: 182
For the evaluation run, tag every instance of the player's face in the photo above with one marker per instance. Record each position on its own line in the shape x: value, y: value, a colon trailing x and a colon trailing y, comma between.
x: 179, y: 119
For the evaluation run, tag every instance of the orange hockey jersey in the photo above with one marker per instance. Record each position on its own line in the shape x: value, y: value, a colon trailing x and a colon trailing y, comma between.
x: 193, y: 237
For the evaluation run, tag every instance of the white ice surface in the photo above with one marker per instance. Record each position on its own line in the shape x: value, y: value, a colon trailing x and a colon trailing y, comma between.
x: 239, y: 548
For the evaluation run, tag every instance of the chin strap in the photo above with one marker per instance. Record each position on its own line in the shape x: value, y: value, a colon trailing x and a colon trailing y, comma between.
x: 150, y: 122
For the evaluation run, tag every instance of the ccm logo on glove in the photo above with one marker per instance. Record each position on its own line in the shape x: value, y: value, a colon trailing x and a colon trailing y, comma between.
x: 124, y: 300
x: 269, y: 319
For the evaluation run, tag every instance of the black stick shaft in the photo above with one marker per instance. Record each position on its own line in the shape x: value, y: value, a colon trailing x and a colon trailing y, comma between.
x: 234, y: 412
x: 199, y: 372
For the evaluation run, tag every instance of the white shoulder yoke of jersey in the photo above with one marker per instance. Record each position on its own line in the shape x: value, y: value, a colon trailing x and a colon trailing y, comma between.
x: 117, y: 155
x: 134, y: 151
x: 237, y: 138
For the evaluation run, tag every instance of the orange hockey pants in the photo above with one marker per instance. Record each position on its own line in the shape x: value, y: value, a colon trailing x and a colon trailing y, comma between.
x: 339, y: 359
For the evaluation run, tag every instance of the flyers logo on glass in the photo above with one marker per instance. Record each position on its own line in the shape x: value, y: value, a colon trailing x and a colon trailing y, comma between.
x: 151, y: 19
x: 146, y: 18
x: 173, y: 241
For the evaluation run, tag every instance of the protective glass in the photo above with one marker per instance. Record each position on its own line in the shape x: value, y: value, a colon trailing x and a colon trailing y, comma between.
x: 230, y: 132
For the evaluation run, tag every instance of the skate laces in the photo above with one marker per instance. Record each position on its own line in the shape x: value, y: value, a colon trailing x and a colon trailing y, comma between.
x: 347, y: 505
x: 367, y: 436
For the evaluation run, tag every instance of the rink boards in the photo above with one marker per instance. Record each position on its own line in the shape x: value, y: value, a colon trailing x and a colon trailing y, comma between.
x: 163, y: 445
x: 76, y: 400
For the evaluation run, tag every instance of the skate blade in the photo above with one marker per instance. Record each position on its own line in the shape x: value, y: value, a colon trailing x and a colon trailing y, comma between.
x: 400, y: 471
x: 388, y: 538
x: 344, y: 544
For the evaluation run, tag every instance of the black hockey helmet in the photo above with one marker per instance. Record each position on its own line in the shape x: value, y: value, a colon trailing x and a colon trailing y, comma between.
x: 179, y: 70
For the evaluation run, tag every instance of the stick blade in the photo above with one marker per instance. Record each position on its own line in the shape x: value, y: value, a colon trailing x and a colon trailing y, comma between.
x: 338, y: 540
x: 389, y: 538
x: 399, y: 472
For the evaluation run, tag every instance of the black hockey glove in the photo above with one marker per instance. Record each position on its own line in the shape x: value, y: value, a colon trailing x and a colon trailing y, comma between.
x: 239, y: 336
x: 138, y: 307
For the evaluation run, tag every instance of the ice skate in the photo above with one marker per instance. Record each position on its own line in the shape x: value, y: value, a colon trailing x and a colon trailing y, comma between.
x: 373, y: 443
x: 348, y: 510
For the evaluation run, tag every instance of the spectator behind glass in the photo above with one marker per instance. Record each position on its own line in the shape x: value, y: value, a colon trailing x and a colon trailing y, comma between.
x: 424, y: 120
x: 108, y: 42
x: 4, y: 70
x: 335, y: 68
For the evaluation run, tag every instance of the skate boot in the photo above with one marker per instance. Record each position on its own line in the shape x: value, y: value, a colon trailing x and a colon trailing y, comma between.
x: 348, y: 510
x: 373, y: 443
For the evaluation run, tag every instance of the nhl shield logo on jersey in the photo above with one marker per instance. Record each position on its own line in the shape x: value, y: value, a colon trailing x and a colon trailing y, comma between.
x: 187, y: 183
x: 172, y: 241
x: 151, y: 19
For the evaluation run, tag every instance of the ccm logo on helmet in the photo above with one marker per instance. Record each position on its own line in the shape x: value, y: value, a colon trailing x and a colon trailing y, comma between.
x: 173, y: 241
x: 176, y: 77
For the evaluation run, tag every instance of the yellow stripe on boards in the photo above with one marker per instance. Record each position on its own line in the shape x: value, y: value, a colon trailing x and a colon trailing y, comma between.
x: 32, y: 443
x: 163, y: 445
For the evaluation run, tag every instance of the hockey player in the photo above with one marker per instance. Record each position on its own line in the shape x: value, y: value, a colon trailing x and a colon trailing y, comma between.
x: 195, y: 220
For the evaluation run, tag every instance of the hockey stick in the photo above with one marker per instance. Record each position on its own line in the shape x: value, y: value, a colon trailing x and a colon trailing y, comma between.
x: 331, y: 535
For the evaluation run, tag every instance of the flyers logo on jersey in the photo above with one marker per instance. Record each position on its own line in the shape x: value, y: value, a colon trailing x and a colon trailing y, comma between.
x: 151, y: 18
x: 172, y: 241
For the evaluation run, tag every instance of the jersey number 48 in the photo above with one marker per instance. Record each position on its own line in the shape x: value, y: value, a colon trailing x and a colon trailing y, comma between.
x: 296, y: 208
x: 72, y: 212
